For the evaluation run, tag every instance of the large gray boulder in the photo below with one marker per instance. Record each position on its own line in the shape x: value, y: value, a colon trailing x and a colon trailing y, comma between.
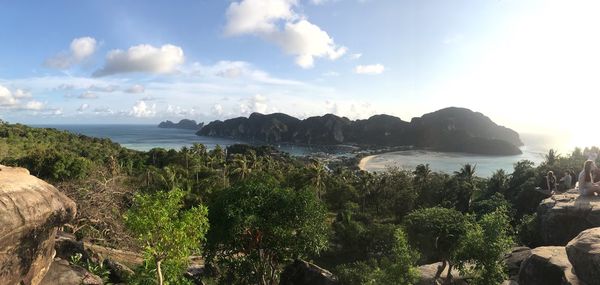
x: 584, y: 254
x: 562, y: 217
x: 63, y: 273
x: 30, y: 212
x: 303, y: 273
x: 548, y: 265
x: 514, y: 259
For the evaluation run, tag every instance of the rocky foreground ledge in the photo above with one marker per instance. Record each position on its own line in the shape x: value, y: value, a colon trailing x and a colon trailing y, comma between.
x: 31, y: 210
x: 562, y: 217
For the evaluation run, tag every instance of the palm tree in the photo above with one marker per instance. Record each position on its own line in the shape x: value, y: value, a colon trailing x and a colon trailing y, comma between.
x: 421, y: 174
x: 241, y: 166
x: 167, y: 175
x: 217, y: 156
x: 185, y: 151
x: 551, y: 157
x: 198, y: 149
x: 466, y: 172
x: 317, y: 176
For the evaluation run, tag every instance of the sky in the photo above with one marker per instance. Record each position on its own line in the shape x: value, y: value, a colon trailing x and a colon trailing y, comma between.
x: 529, y: 65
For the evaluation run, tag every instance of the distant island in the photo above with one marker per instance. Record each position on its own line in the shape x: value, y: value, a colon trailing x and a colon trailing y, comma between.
x: 450, y: 130
x: 183, y: 124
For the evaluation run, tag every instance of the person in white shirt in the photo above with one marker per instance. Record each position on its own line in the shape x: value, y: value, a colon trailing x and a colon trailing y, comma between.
x: 587, y: 187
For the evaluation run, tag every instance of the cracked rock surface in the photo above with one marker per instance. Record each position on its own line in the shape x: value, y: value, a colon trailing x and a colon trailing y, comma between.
x: 563, y: 216
x: 30, y: 212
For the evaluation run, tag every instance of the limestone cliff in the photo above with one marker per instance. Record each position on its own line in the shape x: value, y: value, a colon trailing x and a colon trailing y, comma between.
x: 450, y: 129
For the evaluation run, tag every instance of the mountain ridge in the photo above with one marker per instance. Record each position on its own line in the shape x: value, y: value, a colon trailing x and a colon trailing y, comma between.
x: 450, y: 129
x: 185, y: 124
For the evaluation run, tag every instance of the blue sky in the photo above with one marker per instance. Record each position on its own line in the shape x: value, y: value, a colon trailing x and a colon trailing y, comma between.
x: 146, y: 61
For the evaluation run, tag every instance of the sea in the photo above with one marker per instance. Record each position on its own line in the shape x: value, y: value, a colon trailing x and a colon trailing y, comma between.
x: 146, y: 137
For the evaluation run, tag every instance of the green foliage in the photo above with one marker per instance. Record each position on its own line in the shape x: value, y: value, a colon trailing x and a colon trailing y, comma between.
x: 397, y: 268
x: 528, y: 231
x: 483, y: 247
x: 391, y: 194
x: 96, y: 269
x: 490, y: 205
x: 58, y: 155
x: 256, y: 227
x: 169, y: 233
x: 498, y: 183
x: 521, y: 184
x: 435, y: 232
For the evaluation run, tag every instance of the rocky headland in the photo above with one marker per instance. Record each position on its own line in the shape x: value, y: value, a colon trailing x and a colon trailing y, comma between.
x: 451, y: 129
x: 183, y: 124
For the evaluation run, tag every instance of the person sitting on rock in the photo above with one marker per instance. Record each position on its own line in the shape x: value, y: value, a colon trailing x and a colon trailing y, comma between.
x: 551, y: 181
x: 587, y: 187
x: 566, y: 181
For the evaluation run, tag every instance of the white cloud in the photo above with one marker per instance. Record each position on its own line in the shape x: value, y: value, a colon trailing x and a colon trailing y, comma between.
x: 307, y: 41
x: 103, y: 111
x: 331, y: 74
x: 217, y: 110
x: 33, y: 105
x: 277, y: 22
x: 256, y: 103
x: 88, y: 95
x: 83, y: 107
x: 369, y: 69
x: 103, y: 88
x: 82, y: 48
x: 181, y: 112
x: 6, y: 97
x: 142, y: 58
x: 355, y: 55
x: 13, y: 101
x: 79, y: 50
x: 136, y: 88
x: 350, y: 109
x: 257, y: 16
x: 141, y: 110
x: 55, y: 112
x: 20, y: 93
x: 240, y: 70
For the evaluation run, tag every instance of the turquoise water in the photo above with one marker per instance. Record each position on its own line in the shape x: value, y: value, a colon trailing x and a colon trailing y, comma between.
x: 449, y: 162
x: 536, y: 146
x: 146, y: 137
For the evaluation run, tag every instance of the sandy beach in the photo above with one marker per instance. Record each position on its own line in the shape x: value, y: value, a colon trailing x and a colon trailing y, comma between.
x: 363, y: 162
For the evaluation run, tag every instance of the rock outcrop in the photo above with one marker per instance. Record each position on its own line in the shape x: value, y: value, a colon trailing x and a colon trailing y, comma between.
x: 303, y: 273
x: 30, y: 212
x: 63, y: 273
x: 184, y: 124
x: 584, y: 254
x: 514, y: 259
x: 562, y: 217
x: 449, y: 129
x: 548, y: 265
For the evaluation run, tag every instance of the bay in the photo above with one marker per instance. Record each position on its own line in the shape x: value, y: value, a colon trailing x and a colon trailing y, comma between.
x: 146, y: 137
x: 535, y: 148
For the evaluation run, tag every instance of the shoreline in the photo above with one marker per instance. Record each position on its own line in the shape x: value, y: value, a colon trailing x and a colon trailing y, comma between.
x: 363, y: 162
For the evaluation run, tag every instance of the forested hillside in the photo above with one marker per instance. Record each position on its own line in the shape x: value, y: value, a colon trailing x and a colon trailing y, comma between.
x: 250, y: 211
